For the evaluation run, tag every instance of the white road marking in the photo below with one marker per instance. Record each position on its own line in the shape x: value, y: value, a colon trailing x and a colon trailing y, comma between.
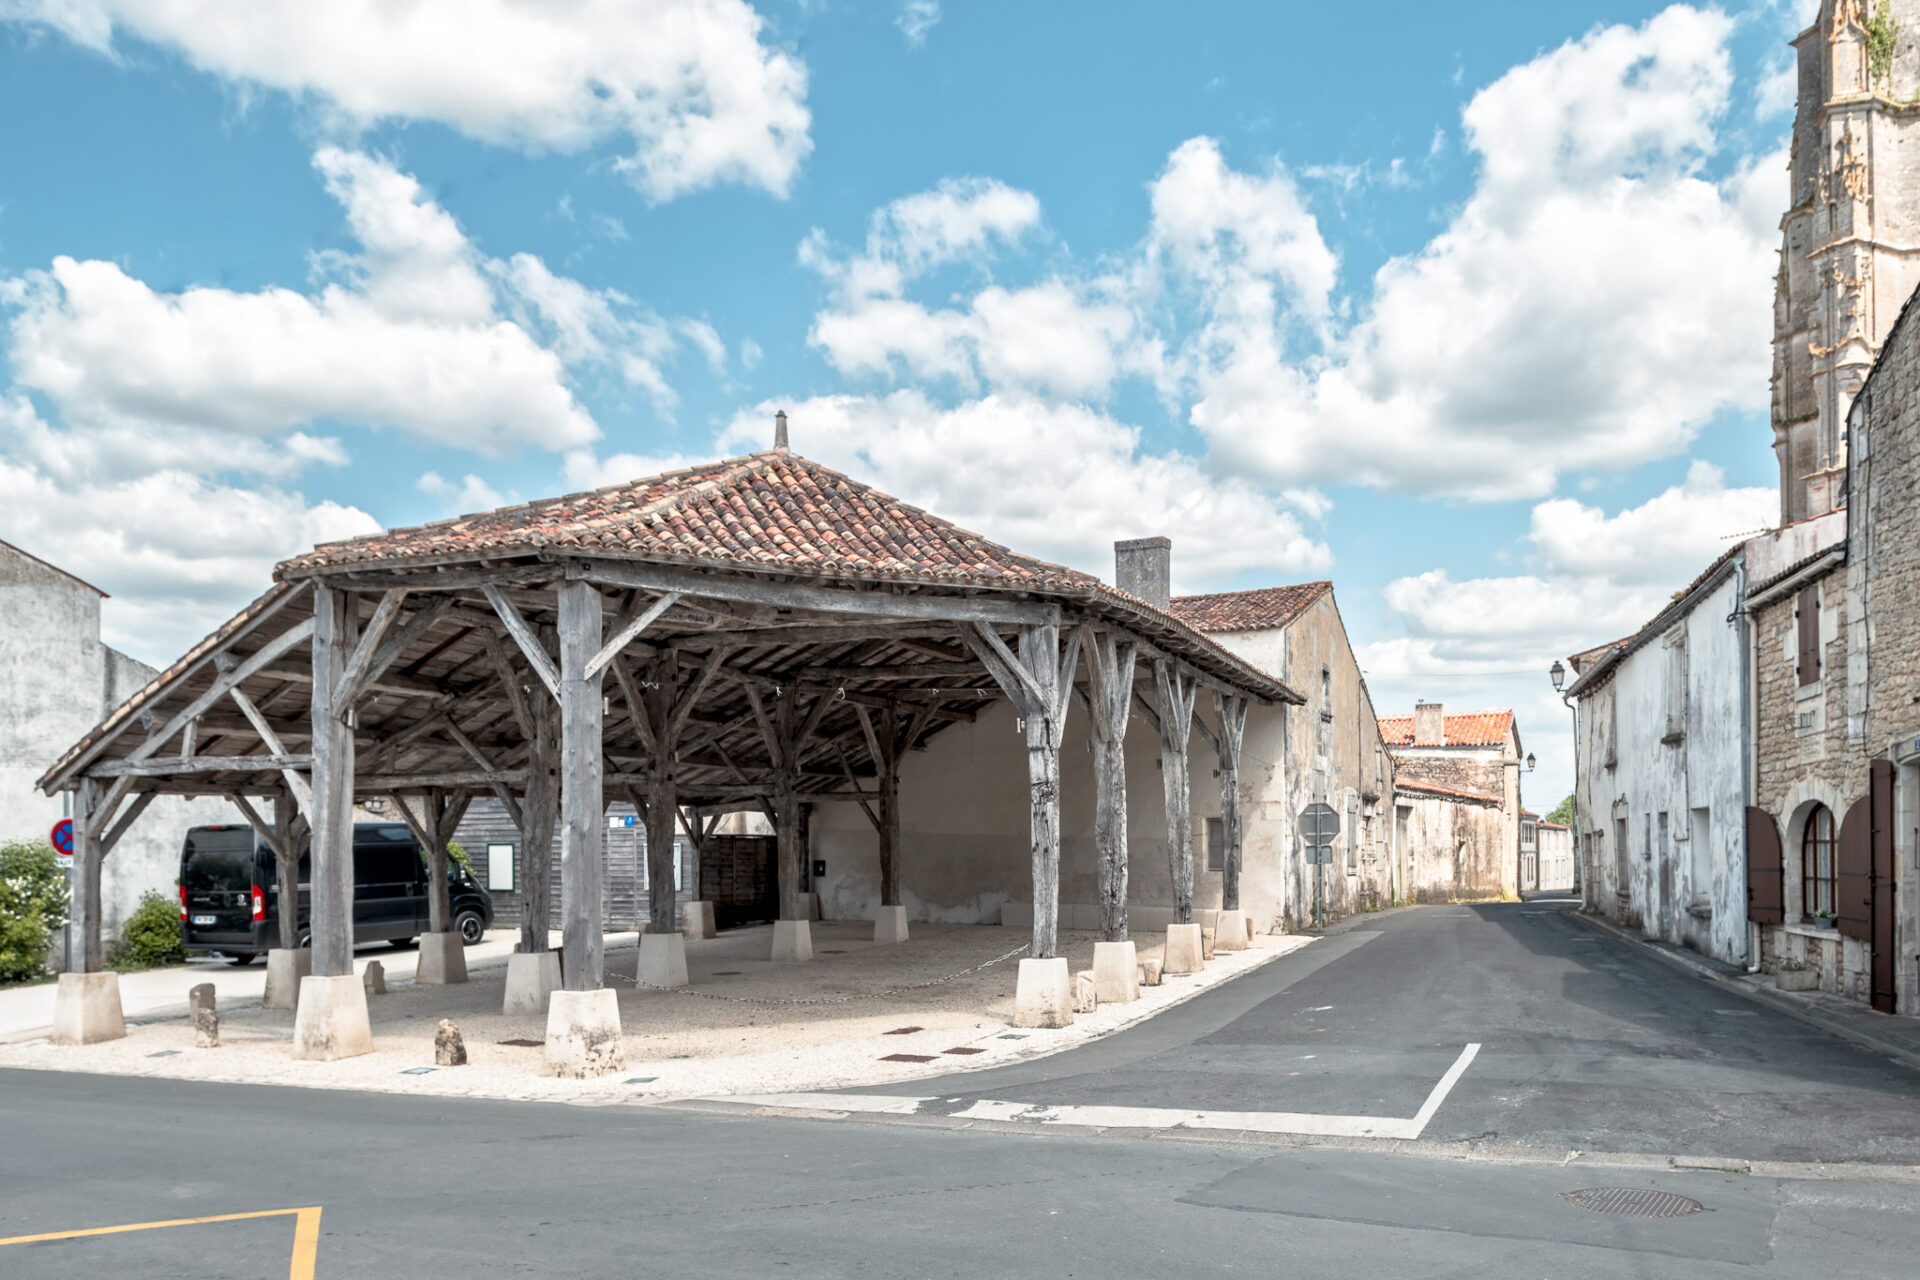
x: 1134, y: 1117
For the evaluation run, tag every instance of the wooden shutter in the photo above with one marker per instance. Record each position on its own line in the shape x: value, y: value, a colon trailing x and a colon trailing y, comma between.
x: 1881, y: 905
x: 1808, y: 613
x: 1766, y: 895
x: 1853, y: 872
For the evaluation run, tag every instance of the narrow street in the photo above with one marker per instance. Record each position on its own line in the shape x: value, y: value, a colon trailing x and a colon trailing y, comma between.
x: 1587, y: 1044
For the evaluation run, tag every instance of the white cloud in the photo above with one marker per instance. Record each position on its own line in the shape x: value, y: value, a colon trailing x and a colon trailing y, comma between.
x: 470, y: 495
x: 916, y: 18
x: 1592, y: 304
x: 961, y: 218
x: 178, y: 552
x: 1662, y: 543
x: 690, y: 85
x: 1058, y: 481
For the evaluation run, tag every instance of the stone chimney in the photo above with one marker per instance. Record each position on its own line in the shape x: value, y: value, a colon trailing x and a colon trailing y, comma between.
x: 1143, y: 567
x: 780, y: 431
x: 1429, y: 724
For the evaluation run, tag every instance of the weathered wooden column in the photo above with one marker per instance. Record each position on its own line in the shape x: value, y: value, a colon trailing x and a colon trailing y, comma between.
x: 1110, y: 671
x: 86, y: 1008
x: 1175, y: 690
x: 885, y: 745
x: 663, y: 794
x: 539, y: 810
x: 583, y: 810
x: 442, y: 959
x: 335, y: 616
x: 87, y: 864
x: 331, y: 1018
x: 286, y: 865
x: 1233, y: 727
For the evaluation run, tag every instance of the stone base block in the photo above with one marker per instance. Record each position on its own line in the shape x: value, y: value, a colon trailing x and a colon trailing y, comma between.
x: 1206, y: 944
x: 1043, y: 994
x: 813, y: 905
x: 1149, y: 973
x: 285, y: 971
x: 331, y: 1022
x: 374, y: 978
x: 443, y: 960
x: 86, y: 1009
x: 1230, y: 932
x: 583, y: 1035
x: 663, y: 960
x: 792, y: 940
x: 1116, y: 972
x: 532, y: 977
x: 1084, y: 999
x: 890, y: 924
x: 696, y: 921
x: 1184, y: 953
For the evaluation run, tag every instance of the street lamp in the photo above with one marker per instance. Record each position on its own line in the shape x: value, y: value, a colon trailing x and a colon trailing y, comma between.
x: 1530, y: 762
x: 1559, y: 674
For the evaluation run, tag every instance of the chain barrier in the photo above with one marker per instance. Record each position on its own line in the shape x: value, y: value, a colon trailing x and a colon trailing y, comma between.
x: 864, y: 995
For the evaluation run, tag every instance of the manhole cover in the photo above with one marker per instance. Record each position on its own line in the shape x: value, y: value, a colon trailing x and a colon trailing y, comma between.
x: 900, y: 1031
x: 908, y: 1057
x: 526, y: 1044
x: 1632, y: 1202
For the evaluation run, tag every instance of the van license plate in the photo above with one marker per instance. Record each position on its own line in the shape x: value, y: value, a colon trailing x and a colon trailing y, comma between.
x: 203, y: 919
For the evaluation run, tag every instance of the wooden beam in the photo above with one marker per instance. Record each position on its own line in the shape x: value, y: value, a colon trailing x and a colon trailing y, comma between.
x: 358, y: 665
x: 271, y: 650
x: 523, y: 635
x: 393, y: 646
x: 301, y: 788
x: 127, y: 819
x: 626, y: 634
x: 510, y: 682
x: 797, y: 595
x: 899, y: 671
x: 164, y: 766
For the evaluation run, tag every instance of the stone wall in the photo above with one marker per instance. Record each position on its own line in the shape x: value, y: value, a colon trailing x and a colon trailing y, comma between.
x: 1457, y: 850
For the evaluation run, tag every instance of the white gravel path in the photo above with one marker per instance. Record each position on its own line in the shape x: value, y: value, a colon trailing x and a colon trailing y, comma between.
x: 681, y: 1044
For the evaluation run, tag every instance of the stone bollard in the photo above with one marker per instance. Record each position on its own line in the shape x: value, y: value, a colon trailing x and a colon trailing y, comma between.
x: 449, y: 1050
x: 1084, y: 1000
x: 1150, y: 973
x: 206, y: 1022
x: 1183, y: 950
x: 1206, y: 944
x: 376, y: 978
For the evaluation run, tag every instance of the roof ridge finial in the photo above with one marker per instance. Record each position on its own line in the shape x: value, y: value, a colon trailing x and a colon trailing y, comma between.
x: 780, y: 431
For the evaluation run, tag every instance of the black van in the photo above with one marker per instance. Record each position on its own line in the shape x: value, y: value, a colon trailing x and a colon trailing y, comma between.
x: 229, y: 901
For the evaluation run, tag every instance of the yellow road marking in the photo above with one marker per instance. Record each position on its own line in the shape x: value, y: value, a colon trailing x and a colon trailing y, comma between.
x: 306, y: 1233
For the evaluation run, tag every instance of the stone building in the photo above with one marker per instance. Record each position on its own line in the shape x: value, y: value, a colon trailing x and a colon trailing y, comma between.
x: 1457, y: 802
x: 1848, y: 259
x: 57, y: 680
x: 1553, y: 858
x: 1662, y: 769
x: 1336, y: 754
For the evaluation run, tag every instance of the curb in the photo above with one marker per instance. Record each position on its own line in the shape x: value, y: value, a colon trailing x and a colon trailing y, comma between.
x: 1813, y: 1017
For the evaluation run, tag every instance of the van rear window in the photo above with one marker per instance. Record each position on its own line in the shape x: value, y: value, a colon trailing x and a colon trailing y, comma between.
x: 217, y: 859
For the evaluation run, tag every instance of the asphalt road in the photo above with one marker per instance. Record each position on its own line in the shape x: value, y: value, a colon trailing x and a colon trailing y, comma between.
x: 1586, y: 1044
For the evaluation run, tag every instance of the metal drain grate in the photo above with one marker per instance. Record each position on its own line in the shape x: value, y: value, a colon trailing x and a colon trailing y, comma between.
x: 1632, y: 1202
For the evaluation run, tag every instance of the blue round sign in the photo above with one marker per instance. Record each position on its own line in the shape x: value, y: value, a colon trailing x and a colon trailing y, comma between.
x: 63, y: 836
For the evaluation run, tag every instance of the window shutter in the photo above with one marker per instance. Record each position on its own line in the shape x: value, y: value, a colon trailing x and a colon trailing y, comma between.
x: 1766, y: 900
x: 1808, y: 611
x: 1853, y: 872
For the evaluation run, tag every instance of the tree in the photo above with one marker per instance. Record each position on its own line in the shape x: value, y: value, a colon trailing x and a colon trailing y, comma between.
x: 1562, y: 813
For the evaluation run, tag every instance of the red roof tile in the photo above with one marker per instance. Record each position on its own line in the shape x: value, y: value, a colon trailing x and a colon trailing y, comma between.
x: 1247, y: 610
x: 1468, y: 729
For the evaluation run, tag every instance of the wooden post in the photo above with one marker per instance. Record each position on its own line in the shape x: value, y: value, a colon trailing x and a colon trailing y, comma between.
x: 1110, y: 671
x: 582, y: 805
x: 538, y: 807
x: 286, y: 867
x: 887, y: 764
x: 335, y: 614
x: 1175, y: 690
x: 85, y: 902
x: 786, y: 807
x: 662, y: 794
x: 1233, y: 727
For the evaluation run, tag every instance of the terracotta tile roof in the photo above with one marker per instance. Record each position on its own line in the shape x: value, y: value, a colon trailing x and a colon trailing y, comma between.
x: 775, y: 511
x: 1451, y: 793
x: 1468, y: 729
x: 1247, y: 610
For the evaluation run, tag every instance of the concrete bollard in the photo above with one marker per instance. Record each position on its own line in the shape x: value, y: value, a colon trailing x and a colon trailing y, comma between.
x: 532, y: 978
x: 331, y: 1021
x: 1150, y: 972
x: 1084, y: 998
x: 583, y: 1035
x: 86, y: 1009
x: 449, y: 1050
x: 792, y: 941
x: 285, y: 969
x: 663, y: 960
x: 1116, y: 972
x: 206, y: 1022
x: 443, y: 960
x: 696, y: 921
x: 1043, y: 994
x: 1230, y: 932
x: 375, y: 978
x: 1183, y: 950
x: 890, y: 924
x: 1206, y: 944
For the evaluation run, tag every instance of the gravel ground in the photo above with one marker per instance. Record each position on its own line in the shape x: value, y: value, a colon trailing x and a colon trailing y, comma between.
x: 735, y: 1030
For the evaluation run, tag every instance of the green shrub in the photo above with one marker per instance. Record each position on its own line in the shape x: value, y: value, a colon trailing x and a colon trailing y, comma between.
x: 151, y: 937
x: 457, y: 852
x: 33, y: 903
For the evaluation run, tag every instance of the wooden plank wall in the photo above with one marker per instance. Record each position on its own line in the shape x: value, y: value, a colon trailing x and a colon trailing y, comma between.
x: 624, y: 900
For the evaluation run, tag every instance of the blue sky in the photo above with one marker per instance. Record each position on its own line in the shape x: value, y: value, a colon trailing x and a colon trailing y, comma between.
x: 1463, y: 307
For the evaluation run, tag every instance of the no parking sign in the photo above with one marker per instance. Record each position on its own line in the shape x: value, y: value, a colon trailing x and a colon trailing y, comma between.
x: 62, y: 837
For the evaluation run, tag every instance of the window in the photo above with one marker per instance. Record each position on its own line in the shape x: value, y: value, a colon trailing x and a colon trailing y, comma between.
x: 1700, y: 838
x: 1216, y: 845
x: 1816, y: 863
x: 1807, y: 612
x: 1676, y: 683
x: 1620, y: 871
x: 500, y: 868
